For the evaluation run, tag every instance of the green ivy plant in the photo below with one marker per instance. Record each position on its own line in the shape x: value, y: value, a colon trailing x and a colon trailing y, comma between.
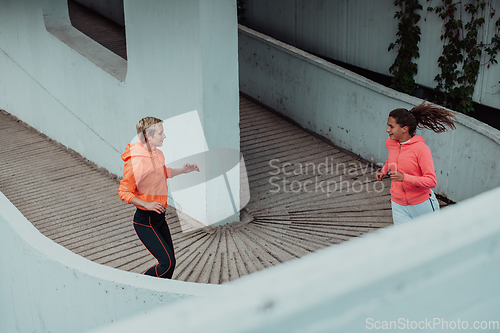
x: 460, y: 59
x: 404, y: 69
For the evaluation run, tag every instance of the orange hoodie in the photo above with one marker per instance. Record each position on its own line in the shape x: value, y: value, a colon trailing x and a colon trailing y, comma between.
x: 144, y: 175
x: 414, y: 159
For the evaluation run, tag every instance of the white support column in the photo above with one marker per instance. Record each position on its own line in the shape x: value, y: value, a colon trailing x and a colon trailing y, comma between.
x: 185, y: 53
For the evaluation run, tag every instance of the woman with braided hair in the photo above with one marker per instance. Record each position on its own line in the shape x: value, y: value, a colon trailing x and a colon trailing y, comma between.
x: 409, y: 164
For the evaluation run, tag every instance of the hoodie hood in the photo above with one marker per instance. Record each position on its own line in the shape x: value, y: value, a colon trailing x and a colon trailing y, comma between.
x: 135, y: 150
x: 144, y: 175
x: 416, y: 139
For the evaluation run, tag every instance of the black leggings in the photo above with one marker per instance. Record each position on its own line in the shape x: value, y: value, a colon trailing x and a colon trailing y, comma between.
x: 153, y: 232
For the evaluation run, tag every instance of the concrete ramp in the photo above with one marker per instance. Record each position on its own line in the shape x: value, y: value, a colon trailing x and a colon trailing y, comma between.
x: 47, y: 288
x: 438, y: 273
x: 75, y: 203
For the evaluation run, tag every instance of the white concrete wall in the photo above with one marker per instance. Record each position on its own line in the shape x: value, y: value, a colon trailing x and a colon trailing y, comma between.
x: 182, y: 56
x: 47, y: 288
x: 359, y: 32
x: 441, y: 269
x: 352, y: 112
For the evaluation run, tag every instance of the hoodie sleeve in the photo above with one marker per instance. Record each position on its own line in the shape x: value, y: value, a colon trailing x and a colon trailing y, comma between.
x: 168, y: 172
x: 128, y: 186
x: 385, y: 168
x: 428, y: 178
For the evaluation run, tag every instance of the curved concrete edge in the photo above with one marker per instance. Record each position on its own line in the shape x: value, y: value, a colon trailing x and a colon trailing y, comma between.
x: 351, y: 112
x: 45, y: 287
x: 58, y: 23
x: 440, y: 268
x: 108, y: 61
x: 470, y: 122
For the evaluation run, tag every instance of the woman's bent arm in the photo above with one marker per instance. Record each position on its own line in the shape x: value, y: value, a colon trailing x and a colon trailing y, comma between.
x: 152, y: 206
x: 187, y: 168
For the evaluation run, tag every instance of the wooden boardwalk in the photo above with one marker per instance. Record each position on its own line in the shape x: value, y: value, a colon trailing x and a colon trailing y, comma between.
x: 75, y: 203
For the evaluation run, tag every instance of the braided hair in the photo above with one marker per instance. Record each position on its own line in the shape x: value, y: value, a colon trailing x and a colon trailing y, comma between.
x: 425, y: 115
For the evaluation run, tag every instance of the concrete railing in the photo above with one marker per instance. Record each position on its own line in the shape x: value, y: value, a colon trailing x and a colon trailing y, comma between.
x: 47, y: 288
x: 352, y: 112
x: 449, y: 261
x: 438, y: 273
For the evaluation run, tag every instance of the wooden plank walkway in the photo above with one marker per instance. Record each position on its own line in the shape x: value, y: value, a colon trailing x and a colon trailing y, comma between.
x: 75, y: 203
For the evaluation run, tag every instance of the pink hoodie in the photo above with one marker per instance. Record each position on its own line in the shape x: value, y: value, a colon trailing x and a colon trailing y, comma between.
x: 413, y: 158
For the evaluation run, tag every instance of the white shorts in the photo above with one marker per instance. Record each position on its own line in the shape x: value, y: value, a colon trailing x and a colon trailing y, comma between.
x: 402, y: 214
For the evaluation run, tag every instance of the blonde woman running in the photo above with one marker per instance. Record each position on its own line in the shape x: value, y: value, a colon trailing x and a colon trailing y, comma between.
x: 144, y: 185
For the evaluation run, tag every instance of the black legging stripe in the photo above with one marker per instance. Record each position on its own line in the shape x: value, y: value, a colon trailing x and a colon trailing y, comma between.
x: 153, y: 231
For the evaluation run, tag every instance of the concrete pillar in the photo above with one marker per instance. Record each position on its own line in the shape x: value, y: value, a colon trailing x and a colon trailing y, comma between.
x: 182, y: 64
x: 186, y: 53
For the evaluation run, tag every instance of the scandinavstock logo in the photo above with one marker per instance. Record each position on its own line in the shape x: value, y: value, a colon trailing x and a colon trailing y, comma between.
x: 217, y: 193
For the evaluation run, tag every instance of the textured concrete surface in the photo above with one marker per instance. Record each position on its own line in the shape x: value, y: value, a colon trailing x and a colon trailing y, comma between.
x: 47, y: 288
x: 75, y: 203
x: 351, y: 111
x: 438, y: 273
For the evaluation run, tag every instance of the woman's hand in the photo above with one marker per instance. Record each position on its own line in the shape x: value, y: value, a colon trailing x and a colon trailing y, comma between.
x: 187, y: 168
x: 151, y: 206
x: 396, y: 176
x: 154, y: 207
x: 379, y: 176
